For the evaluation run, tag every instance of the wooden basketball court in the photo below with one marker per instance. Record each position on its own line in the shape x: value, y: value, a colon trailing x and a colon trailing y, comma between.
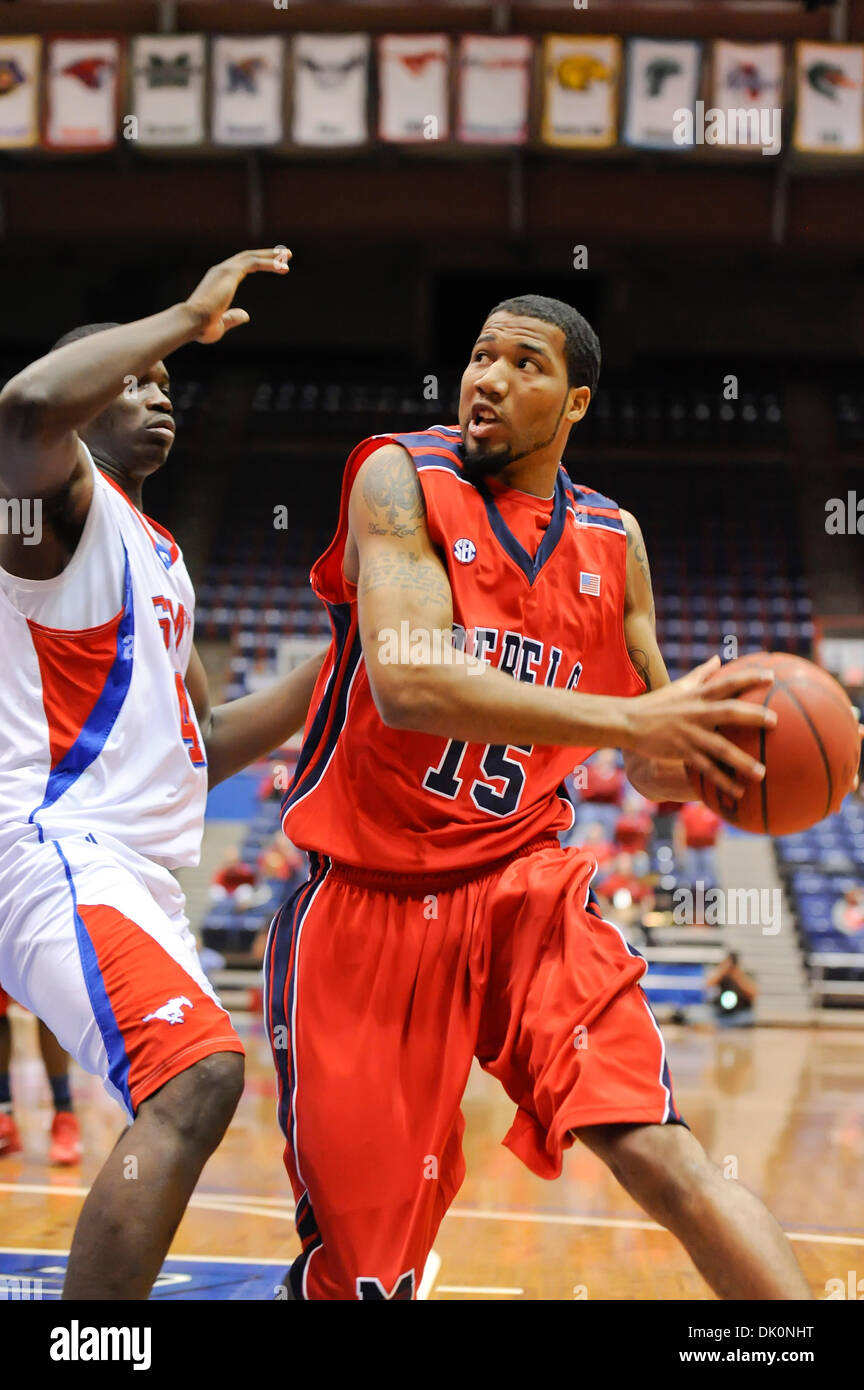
x: 781, y: 1107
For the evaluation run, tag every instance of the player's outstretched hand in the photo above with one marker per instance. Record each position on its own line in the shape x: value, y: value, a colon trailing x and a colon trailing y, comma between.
x: 681, y: 719
x: 212, y: 299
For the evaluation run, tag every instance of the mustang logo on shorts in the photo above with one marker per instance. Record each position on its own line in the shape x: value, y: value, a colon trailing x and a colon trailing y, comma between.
x: 172, y: 1012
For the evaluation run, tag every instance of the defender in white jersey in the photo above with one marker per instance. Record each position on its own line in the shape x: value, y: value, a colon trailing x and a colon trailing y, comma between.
x: 105, y: 761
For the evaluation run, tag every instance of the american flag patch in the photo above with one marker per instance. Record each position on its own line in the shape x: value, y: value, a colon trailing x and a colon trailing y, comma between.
x: 589, y: 584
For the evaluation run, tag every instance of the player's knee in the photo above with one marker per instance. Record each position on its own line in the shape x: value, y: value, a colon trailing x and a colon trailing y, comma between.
x: 199, y: 1103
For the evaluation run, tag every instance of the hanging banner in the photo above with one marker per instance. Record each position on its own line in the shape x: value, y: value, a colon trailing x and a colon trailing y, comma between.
x: 247, y: 77
x: 331, y: 85
x: 20, y: 60
x: 82, y: 93
x: 830, y: 107
x: 168, y: 89
x: 662, y: 84
x: 747, y: 97
x: 494, y: 89
x: 581, y: 77
x: 414, y: 71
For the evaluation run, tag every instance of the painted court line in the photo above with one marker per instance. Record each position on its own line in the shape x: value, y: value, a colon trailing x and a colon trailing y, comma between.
x: 243, y: 1205
x: 430, y: 1274
x: 476, y: 1288
x: 175, y: 1255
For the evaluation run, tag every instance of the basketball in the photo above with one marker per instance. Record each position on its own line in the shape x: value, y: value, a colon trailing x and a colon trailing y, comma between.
x: 811, y: 756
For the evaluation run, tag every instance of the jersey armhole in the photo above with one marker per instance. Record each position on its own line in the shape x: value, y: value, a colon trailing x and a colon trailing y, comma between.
x: 86, y: 541
x: 642, y: 688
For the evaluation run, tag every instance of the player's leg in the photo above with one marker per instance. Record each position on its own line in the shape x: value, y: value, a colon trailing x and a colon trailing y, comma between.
x: 65, y: 1135
x: 568, y: 1030
x: 733, y: 1240
x: 119, y: 984
x: 135, y: 1205
x: 371, y: 1018
x: 10, y: 1139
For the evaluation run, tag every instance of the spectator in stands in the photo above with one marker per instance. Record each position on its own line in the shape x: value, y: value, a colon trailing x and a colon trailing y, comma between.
x: 696, y: 834
x: 260, y: 677
x: 280, y: 859
x: 277, y: 779
x: 601, y: 796
x: 592, y: 837
x: 735, y: 993
x: 231, y: 875
x: 267, y: 789
x: 847, y: 914
x: 622, y: 889
x: 634, y: 827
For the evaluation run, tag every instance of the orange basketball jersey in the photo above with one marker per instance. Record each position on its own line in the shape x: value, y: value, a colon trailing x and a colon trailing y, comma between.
x: 404, y: 802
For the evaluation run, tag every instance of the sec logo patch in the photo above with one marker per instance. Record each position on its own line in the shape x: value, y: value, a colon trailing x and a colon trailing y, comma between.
x: 465, y: 551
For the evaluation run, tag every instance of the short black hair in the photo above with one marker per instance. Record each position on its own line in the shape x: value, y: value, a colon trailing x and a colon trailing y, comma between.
x: 581, y: 344
x: 84, y: 331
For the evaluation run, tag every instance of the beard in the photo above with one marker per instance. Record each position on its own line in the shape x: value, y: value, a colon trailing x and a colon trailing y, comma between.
x: 477, y: 465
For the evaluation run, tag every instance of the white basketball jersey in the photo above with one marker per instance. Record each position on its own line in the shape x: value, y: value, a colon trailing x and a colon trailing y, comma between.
x: 97, y: 732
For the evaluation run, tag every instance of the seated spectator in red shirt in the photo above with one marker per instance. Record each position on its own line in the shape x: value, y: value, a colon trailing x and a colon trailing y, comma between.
x: 604, y: 779
x: 623, y: 894
x: 695, y: 837
x: 231, y: 875
x: 267, y: 789
x: 280, y: 859
x: 634, y: 827
x: 592, y: 837
x: 847, y: 914
x: 598, y: 789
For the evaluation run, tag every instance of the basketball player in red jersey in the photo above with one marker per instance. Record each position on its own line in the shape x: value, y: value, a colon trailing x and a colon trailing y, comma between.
x: 442, y: 920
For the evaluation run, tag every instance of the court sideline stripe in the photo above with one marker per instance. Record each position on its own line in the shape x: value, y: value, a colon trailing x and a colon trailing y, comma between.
x: 248, y: 1207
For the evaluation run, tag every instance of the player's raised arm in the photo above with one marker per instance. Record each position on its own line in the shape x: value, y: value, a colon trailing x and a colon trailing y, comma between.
x: 42, y: 407
x: 405, y: 606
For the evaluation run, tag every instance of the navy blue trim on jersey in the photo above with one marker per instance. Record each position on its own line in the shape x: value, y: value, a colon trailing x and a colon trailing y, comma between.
x: 529, y: 565
x: 589, y: 498
x: 309, y: 773
x: 674, y: 1117
x: 421, y: 440
x: 584, y: 497
x: 311, y: 1239
x: 298, y: 1269
x: 274, y: 986
x: 285, y: 927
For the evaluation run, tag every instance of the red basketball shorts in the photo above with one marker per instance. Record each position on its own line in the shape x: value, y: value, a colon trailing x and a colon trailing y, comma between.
x: 4, y: 1002
x: 379, y: 995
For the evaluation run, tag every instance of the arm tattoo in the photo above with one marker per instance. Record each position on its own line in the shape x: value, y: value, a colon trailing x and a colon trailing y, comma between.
x: 640, y: 661
x: 406, y: 572
x: 392, y: 492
